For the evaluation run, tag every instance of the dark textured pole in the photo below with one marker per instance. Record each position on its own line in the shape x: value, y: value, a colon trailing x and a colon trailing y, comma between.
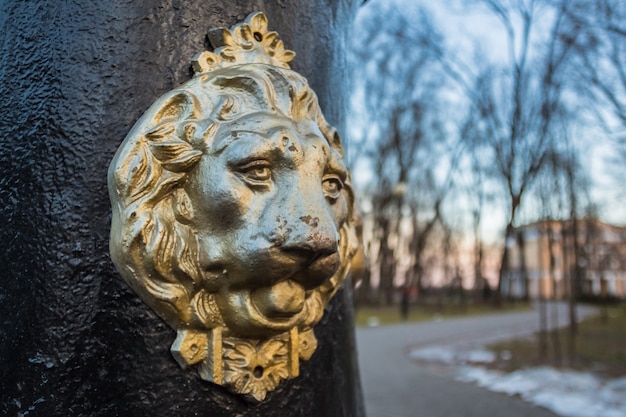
x: 74, y: 77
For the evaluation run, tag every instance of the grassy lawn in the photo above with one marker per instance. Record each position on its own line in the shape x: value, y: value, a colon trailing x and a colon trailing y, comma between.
x: 367, y: 316
x: 600, y: 347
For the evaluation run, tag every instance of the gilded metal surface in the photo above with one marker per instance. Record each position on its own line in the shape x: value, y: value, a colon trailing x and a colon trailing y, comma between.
x: 233, y: 212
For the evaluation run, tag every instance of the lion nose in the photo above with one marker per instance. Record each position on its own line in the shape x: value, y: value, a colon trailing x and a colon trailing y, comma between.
x: 311, y: 242
x: 309, y: 234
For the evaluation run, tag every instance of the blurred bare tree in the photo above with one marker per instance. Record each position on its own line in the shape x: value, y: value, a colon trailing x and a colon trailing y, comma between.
x: 519, y: 110
x: 601, y: 54
x: 401, y: 86
x: 451, y: 133
x: 601, y: 48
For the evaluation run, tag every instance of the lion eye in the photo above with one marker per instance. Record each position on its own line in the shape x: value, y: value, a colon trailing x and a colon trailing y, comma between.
x: 332, y: 186
x: 257, y: 171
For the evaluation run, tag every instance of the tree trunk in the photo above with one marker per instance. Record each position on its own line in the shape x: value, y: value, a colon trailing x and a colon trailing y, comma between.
x: 504, y: 266
x: 386, y: 264
x: 575, y: 272
x: 74, y: 78
x: 521, y: 240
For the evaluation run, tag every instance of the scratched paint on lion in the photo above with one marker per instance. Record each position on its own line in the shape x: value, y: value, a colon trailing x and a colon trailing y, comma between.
x: 233, y: 212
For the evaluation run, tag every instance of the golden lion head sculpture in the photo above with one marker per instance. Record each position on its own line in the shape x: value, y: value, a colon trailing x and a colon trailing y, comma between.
x: 233, y: 213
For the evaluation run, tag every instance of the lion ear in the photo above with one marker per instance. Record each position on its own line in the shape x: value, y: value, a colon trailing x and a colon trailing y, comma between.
x: 172, y: 130
x: 335, y: 141
x: 179, y: 106
x: 332, y: 136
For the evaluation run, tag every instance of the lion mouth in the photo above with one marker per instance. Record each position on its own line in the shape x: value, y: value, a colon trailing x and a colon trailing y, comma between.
x: 318, y: 271
x: 287, y: 297
x: 281, y: 300
x: 277, y: 300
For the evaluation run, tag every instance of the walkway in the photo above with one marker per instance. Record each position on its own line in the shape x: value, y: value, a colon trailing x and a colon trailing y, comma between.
x: 394, y: 386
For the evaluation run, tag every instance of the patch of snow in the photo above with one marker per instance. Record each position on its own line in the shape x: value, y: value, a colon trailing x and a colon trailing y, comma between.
x: 564, y: 392
x: 449, y: 356
x: 478, y: 356
x: 567, y: 393
x: 373, y: 321
x: 438, y: 354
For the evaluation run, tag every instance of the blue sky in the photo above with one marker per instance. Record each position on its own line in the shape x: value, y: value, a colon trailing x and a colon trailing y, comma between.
x: 472, y: 31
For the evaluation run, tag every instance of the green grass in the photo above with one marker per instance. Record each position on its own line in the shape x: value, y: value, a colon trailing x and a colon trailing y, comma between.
x: 366, y: 316
x: 599, y: 346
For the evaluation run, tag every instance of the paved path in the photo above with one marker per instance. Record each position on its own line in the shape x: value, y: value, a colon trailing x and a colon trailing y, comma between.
x: 394, y: 386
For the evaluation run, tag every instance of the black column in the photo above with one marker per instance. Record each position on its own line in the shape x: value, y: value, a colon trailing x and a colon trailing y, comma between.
x: 74, y: 77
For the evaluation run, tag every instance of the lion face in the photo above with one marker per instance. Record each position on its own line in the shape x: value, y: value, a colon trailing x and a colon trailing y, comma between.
x: 268, y: 208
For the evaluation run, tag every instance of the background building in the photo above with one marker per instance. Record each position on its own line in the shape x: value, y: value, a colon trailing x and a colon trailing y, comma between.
x: 543, y: 257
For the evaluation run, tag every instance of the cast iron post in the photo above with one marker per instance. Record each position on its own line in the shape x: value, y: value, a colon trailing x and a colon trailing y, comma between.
x: 74, y: 77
